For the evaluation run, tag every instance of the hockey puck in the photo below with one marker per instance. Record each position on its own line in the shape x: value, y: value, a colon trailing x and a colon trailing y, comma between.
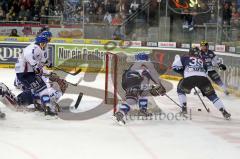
x: 2, y: 115
x: 199, y: 109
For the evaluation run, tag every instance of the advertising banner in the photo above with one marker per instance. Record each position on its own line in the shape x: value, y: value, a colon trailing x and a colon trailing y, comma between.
x: 90, y: 57
x: 9, y: 52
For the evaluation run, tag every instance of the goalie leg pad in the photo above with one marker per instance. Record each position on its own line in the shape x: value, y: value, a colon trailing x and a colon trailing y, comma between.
x: 61, y: 82
x: 132, y: 94
x: 7, y: 96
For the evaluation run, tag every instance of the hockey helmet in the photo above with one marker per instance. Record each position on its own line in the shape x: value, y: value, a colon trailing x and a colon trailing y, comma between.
x: 203, y: 43
x: 41, y: 39
x: 48, y: 34
x: 194, y: 51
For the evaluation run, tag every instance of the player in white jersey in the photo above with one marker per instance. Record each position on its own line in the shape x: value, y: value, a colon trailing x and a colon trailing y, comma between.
x: 29, y: 70
x: 44, y: 61
x: 193, y: 69
x: 136, y: 83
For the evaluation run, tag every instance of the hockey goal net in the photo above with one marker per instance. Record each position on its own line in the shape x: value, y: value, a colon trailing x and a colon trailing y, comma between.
x: 115, y: 66
x: 111, y: 61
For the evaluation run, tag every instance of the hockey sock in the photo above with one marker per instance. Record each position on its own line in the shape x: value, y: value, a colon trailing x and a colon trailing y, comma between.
x: 216, y: 101
x: 182, y: 99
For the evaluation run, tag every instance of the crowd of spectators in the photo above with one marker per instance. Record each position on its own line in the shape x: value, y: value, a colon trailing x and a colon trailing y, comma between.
x: 95, y: 11
x: 26, y: 10
x: 112, y: 12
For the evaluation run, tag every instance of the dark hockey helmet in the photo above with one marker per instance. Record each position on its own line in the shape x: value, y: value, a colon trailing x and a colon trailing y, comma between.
x: 203, y: 43
x: 194, y: 51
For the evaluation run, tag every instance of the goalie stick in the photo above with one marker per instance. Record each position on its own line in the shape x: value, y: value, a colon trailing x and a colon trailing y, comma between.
x: 73, y: 74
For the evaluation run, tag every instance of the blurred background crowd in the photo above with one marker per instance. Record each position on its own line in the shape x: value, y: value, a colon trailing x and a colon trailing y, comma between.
x: 121, y: 13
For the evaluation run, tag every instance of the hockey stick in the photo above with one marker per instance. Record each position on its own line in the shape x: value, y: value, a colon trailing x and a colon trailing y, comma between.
x: 78, y: 100
x: 173, y: 100
x: 207, y: 109
x: 73, y: 74
x: 73, y: 84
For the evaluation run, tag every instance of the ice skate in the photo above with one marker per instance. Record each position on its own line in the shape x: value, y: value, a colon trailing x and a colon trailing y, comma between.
x: 118, y: 117
x: 225, y: 114
x: 184, y: 109
x: 49, y: 113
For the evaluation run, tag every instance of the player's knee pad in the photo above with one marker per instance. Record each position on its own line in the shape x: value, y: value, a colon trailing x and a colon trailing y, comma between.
x: 25, y: 98
x: 125, y: 108
x: 143, y: 103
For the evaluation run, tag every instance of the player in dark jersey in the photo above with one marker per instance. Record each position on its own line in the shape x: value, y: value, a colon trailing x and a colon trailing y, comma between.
x: 137, y: 86
x: 212, y: 61
x: 193, y: 69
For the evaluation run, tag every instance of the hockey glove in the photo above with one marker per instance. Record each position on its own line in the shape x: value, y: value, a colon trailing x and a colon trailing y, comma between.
x: 222, y: 67
x: 37, y: 70
x: 48, y: 64
x: 158, y: 90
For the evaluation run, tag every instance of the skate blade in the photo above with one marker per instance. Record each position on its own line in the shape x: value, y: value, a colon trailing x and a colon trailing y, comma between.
x: 229, y: 118
x: 121, y: 123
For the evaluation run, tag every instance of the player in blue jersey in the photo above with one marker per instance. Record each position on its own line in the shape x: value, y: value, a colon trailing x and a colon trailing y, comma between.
x: 213, y: 61
x: 193, y: 69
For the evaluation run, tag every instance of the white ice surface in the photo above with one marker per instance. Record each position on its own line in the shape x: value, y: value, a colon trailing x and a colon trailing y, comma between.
x: 206, y: 136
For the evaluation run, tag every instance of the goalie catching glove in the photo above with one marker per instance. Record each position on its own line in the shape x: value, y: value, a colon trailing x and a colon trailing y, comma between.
x: 61, y: 82
x: 158, y: 90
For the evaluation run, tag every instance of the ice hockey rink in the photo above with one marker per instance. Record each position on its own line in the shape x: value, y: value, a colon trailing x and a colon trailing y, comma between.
x: 206, y: 136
